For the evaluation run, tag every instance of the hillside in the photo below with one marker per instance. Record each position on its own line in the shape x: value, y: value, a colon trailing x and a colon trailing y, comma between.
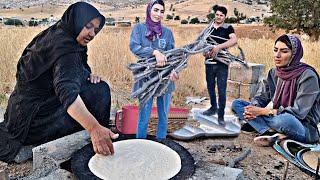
x: 126, y: 9
x: 11, y: 4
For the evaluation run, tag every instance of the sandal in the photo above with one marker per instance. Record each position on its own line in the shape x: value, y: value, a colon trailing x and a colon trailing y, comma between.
x: 265, y: 141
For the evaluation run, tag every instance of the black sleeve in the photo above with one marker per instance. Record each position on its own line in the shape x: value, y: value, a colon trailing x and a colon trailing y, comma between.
x: 86, y: 67
x: 67, y: 77
x: 230, y: 30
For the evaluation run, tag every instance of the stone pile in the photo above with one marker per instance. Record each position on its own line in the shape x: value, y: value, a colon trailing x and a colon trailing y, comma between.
x: 243, y: 82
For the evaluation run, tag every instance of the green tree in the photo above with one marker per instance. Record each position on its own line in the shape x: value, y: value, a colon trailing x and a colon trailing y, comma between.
x: 194, y: 21
x: 110, y: 21
x: 231, y: 20
x: 239, y: 16
x: 14, y: 22
x: 296, y: 16
x: 137, y: 19
x: 210, y: 17
x: 169, y: 17
x: 236, y: 12
x: 171, y: 6
x: 33, y: 23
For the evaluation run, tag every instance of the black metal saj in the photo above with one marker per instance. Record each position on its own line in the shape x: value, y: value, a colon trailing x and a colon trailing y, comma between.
x: 155, y: 80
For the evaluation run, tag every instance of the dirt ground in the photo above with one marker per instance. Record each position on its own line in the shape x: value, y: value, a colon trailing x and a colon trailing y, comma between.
x: 261, y: 163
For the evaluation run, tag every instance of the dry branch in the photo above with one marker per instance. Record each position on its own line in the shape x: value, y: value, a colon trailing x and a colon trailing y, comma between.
x: 155, y: 80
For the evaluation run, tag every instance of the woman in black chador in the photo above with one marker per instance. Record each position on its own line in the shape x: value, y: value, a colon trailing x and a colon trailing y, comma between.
x: 56, y: 94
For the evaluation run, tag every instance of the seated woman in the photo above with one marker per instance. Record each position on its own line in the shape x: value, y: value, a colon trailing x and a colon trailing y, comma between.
x: 293, y: 88
x: 55, y: 93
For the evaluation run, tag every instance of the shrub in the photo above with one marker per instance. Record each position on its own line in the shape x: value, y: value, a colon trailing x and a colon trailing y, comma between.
x: 169, y: 17
x: 110, y: 21
x: 137, y: 19
x: 231, y: 20
x: 177, y: 18
x: 211, y: 16
x: 184, y: 21
x: 33, y: 23
x: 14, y: 22
x: 194, y: 21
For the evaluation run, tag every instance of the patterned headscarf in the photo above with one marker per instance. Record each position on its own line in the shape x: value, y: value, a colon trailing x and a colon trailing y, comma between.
x: 154, y: 28
x: 286, y: 91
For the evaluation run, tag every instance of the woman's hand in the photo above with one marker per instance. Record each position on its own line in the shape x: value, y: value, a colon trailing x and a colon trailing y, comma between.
x: 94, y: 78
x: 100, y: 136
x: 160, y: 58
x: 174, y: 76
x: 251, y: 112
x: 101, y: 140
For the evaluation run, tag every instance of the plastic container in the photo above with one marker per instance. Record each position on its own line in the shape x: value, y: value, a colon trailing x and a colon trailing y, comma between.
x: 126, y: 120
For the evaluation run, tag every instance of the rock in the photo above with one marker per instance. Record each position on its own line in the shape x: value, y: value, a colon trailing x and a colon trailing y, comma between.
x: 279, y: 165
x: 237, y: 90
x: 233, y: 89
x: 60, y: 174
x: 60, y: 149
x: 215, y: 147
x: 247, y: 91
x: 48, y: 157
x: 4, y: 175
x: 207, y: 170
x: 251, y: 75
x: 3, y: 165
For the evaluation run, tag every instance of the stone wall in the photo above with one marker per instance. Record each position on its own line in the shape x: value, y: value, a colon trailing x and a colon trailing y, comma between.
x: 243, y: 82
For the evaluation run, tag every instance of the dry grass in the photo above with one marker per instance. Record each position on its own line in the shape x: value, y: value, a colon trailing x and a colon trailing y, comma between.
x: 13, y: 40
x: 109, y: 53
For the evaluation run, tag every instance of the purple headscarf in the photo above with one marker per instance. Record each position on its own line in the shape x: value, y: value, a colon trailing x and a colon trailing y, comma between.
x: 286, y: 91
x: 154, y: 28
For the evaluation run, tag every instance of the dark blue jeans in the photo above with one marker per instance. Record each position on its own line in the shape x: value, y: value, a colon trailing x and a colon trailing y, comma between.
x: 284, y: 123
x: 217, y: 72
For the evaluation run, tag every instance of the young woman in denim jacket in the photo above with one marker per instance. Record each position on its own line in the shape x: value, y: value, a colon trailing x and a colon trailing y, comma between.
x: 151, y: 39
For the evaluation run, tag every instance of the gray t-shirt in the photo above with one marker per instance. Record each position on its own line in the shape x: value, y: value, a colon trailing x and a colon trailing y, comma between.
x: 306, y: 106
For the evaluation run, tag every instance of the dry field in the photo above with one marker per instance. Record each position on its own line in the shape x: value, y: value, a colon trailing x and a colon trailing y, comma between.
x: 44, y: 11
x: 189, y: 8
x: 109, y: 53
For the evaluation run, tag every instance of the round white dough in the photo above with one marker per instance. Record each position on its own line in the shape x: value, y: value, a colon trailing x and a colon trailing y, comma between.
x: 136, y: 159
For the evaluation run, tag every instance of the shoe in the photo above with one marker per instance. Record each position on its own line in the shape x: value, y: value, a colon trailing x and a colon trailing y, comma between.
x: 265, y: 141
x: 247, y: 128
x: 221, y: 121
x: 24, y: 154
x: 209, y: 112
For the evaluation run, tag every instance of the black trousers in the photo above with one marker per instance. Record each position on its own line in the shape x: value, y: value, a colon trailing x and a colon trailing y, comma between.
x: 47, y: 127
x: 217, y: 73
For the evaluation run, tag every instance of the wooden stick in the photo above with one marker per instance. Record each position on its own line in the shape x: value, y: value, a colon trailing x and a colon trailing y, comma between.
x: 242, y: 156
x: 286, y: 167
x: 317, y: 171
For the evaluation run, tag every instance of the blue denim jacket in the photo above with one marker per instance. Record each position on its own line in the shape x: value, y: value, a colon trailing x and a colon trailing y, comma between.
x: 142, y: 47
